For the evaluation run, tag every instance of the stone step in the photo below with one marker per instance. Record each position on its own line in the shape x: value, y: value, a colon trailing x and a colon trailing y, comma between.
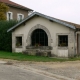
x: 38, y: 52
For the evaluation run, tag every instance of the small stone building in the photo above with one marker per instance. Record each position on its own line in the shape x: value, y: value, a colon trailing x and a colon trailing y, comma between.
x: 41, y: 33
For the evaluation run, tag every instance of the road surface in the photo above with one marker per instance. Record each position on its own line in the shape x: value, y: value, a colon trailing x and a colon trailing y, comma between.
x: 10, y: 72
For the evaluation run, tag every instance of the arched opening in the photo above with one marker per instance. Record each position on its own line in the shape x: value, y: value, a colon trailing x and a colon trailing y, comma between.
x: 39, y: 38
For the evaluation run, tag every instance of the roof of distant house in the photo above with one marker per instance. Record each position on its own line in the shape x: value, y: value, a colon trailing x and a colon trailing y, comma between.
x: 65, y: 23
x: 10, y: 3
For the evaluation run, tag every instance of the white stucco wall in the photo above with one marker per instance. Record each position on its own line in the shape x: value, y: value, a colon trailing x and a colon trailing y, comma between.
x: 54, y: 29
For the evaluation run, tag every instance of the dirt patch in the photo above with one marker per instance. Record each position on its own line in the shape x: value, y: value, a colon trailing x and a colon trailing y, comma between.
x: 9, y: 63
x: 70, y: 69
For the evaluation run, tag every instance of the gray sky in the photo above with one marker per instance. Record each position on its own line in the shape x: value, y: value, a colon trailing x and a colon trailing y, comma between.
x: 68, y: 10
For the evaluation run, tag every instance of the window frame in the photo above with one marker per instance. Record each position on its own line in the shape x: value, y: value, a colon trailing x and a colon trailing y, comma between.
x: 18, y: 18
x: 11, y: 18
x: 18, y: 45
x: 64, y: 41
x: 41, y: 40
x: 30, y: 12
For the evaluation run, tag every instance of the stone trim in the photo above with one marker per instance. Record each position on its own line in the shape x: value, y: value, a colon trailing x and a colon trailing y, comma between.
x: 14, y: 41
x: 38, y: 26
x: 11, y: 17
x: 20, y: 35
x: 57, y: 40
x: 71, y: 47
x: 18, y: 16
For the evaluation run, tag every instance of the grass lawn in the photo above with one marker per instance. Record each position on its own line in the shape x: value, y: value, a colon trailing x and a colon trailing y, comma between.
x: 22, y: 57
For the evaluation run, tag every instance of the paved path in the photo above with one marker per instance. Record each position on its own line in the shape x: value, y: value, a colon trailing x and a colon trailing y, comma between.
x: 10, y: 72
x: 23, y: 70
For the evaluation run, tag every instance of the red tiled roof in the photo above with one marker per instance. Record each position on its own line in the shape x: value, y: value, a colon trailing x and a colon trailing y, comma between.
x: 10, y: 3
x: 74, y: 24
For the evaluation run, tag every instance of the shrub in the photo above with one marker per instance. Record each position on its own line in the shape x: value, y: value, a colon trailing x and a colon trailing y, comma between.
x: 5, y: 37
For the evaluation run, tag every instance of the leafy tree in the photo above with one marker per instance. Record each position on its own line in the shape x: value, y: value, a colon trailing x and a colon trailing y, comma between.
x: 3, y: 9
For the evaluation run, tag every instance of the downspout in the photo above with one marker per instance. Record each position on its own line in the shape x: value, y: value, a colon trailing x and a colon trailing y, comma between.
x: 75, y: 43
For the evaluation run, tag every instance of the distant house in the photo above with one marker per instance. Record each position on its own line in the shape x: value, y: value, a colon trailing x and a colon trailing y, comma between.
x: 16, y: 11
x: 39, y: 32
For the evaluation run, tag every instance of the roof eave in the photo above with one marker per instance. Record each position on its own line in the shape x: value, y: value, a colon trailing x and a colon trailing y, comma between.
x: 56, y: 20
x: 19, y: 7
x: 42, y: 15
x: 20, y: 23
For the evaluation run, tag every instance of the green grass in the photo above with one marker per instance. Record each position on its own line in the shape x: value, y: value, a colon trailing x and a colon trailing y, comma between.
x: 22, y: 57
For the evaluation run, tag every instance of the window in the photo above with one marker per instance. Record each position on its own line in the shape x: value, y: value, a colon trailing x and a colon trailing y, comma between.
x: 20, y: 17
x: 18, y: 41
x: 63, y: 40
x: 30, y: 12
x: 9, y: 15
x: 39, y: 38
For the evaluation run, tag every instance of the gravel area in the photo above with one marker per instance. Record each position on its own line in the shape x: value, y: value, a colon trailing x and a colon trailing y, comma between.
x: 70, y: 69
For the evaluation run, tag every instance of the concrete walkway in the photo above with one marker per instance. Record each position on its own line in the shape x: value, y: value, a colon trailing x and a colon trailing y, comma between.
x: 11, y: 71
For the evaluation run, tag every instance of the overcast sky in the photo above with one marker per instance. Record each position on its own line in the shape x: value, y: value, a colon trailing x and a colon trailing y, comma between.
x: 68, y: 10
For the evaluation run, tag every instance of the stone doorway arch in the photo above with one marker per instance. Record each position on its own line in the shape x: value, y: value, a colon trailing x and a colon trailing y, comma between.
x: 38, y: 26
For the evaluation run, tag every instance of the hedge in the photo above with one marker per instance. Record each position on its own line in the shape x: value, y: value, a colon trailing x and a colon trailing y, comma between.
x: 6, y: 37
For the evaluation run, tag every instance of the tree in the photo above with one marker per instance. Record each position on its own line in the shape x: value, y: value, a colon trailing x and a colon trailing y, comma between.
x: 3, y: 9
x: 6, y: 37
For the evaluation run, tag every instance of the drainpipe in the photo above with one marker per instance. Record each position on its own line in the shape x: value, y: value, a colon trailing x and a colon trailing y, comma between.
x: 75, y: 43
